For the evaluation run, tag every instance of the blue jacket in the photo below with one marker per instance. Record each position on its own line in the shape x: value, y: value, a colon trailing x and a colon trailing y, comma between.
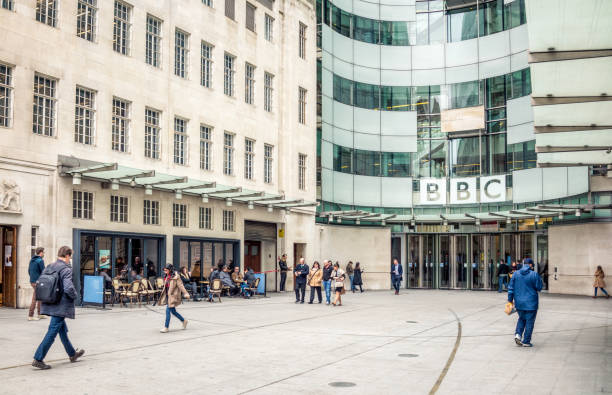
x: 65, y: 307
x: 301, y: 278
x: 37, y: 265
x: 400, y: 271
x: 524, y: 287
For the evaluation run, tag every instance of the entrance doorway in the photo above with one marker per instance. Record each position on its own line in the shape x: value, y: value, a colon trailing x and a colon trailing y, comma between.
x: 8, y: 270
x: 299, y: 251
x: 252, y: 255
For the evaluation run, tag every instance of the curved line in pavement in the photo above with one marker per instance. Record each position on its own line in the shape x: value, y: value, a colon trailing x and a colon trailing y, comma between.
x: 451, y: 357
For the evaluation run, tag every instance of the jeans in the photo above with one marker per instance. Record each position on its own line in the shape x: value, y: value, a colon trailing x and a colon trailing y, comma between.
x: 397, y: 284
x: 503, y: 282
x: 602, y: 290
x: 524, y: 326
x: 174, y: 312
x: 35, y: 303
x: 312, y: 293
x: 56, y: 326
x: 300, y: 287
x: 283, y: 279
x: 352, y: 276
x: 327, y: 286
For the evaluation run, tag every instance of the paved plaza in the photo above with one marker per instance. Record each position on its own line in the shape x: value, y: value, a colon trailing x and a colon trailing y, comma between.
x: 377, y: 343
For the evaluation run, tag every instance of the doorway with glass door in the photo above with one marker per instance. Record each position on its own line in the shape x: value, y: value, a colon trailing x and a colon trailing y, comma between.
x: 8, y: 268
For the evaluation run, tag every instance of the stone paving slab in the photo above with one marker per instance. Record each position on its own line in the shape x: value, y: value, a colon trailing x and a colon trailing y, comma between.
x: 378, y: 342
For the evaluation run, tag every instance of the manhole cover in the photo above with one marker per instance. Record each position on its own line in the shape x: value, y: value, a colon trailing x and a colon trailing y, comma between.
x: 342, y: 384
x: 408, y: 355
x: 411, y: 322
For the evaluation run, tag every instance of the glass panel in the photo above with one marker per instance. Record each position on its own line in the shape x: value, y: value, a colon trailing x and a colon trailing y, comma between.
x: 465, y: 94
x: 495, y: 258
x: 462, y: 24
x: 436, y: 27
x: 420, y: 161
x: 428, y: 261
x: 422, y: 28
x: 438, y: 158
x: 526, y: 246
x: 413, y: 261
x: 445, y: 272
x: 461, y: 265
x: 396, y: 164
x: 137, y: 263
x: 229, y: 255
x: 395, y: 98
x: 542, y: 258
x: 496, y: 154
x: 496, y: 91
x: 342, y: 90
x: 121, y: 266
x: 478, y: 262
x: 491, y: 17
x: 520, y: 83
x: 87, y: 256
x: 218, y: 250
x: 395, y: 33
x: 152, y: 258
x: 366, y: 30
x: 208, y: 262
x: 104, y: 253
x: 194, y: 247
x: 341, y: 21
x: 366, y: 95
x: 465, y: 156
x: 343, y: 159
x: 510, y: 249
x: 183, y: 253
x: 367, y: 163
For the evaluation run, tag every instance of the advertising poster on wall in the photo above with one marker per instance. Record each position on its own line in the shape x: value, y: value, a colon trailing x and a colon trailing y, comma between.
x: 104, y: 260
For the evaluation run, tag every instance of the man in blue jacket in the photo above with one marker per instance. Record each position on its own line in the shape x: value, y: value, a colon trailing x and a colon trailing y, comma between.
x: 37, y: 265
x: 523, y: 291
x: 396, y: 275
x: 301, y: 274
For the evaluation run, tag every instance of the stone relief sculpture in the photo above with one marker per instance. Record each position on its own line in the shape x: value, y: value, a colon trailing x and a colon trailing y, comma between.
x: 10, y: 196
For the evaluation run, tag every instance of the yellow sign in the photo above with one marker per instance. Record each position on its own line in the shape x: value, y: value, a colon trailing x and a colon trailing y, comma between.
x: 281, y: 233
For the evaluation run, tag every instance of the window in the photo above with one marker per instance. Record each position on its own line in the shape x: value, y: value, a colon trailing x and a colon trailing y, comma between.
x: 490, y: 17
x: 44, y: 106
x: 179, y: 215
x: 343, y: 159
x: 249, y: 155
x: 208, y: 3
x: 119, y: 209
x: 6, y: 95
x: 205, y: 147
x: 228, y: 153
x: 269, y: 28
x: 268, y: 151
x: 302, y: 106
x: 152, y: 132
x: 153, y: 41
x: 87, y: 11
x: 82, y: 205
x: 302, y: 41
x: 250, y: 16
x: 302, y: 172
x: 122, y: 28
x: 121, y: 125
x: 46, y: 12
x: 150, y: 215
x: 84, y: 116
x: 367, y: 30
x: 268, y: 91
x: 34, y: 240
x: 181, y: 53
x: 8, y: 4
x: 180, y: 141
x: 229, y: 9
x: 228, y: 221
x: 462, y: 24
x: 249, y: 83
x: 206, y: 64
x: 205, y: 218
x: 429, y: 22
x: 228, y: 74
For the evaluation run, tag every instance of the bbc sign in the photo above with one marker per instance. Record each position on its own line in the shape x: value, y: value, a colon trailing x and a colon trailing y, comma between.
x: 463, y: 190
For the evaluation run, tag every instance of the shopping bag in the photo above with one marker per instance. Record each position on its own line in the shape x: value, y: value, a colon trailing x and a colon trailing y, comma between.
x: 509, y: 309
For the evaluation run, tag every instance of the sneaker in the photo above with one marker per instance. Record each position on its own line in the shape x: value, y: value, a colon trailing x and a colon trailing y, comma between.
x: 33, y: 318
x: 78, y: 354
x: 185, y: 324
x: 327, y: 303
x: 517, y: 340
x: 302, y: 302
x: 164, y: 330
x: 309, y: 302
x: 40, y: 365
x: 527, y: 345
x: 42, y: 317
x: 297, y: 301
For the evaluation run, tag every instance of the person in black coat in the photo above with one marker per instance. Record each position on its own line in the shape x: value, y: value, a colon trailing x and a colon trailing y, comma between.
x: 357, y: 281
x: 397, y: 273
x: 282, y: 265
x: 301, y: 275
x: 36, y: 267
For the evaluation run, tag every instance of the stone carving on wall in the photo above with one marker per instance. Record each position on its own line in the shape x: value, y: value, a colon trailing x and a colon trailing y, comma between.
x: 10, y: 196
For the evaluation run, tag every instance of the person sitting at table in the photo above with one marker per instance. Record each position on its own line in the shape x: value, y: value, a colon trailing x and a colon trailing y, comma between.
x: 226, y: 280
x: 122, y: 275
x: 237, y: 276
x: 151, y: 272
x: 108, y: 281
x: 249, y: 276
x: 136, y: 276
x: 190, y: 286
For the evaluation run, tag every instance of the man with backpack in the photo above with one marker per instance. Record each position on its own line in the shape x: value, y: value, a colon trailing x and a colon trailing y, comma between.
x: 56, y: 291
x: 36, y: 267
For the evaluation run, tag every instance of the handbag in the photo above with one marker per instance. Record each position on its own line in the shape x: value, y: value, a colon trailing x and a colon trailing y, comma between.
x: 509, y: 308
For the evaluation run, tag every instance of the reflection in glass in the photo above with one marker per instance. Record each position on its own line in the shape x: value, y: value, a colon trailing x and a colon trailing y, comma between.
x: 413, y: 261
x: 465, y: 94
x: 341, y: 21
x: 366, y: 30
x: 395, y: 98
x: 396, y: 164
x: 436, y: 27
x: 438, y: 158
x: 461, y: 264
x: 445, y: 270
x: 465, y: 156
x: 366, y: 95
x: 420, y: 161
x: 491, y: 17
x: 343, y: 159
x: 462, y: 24
x: 367, y: 163
x: 395, y: 33
x: 495, y: 160
x: 342, y: 90
x: 496, y: 91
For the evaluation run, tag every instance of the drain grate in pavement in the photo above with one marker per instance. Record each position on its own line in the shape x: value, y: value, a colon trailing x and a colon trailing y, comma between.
x: 411, y: 322
x: 408, y: 355
x: 342, y: 384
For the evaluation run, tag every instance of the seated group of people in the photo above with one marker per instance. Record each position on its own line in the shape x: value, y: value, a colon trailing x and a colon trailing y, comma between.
x: 237, y: 282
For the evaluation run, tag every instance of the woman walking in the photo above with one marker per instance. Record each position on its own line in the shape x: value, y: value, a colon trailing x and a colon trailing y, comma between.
x: 315, y: 277
x: 338, y: 276
x: 171, y: 296
x: 350, y: 272
x: 599, y: 282
x: 357, y: 278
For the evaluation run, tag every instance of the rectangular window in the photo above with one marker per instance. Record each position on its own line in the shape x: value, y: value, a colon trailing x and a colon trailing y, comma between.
x: 250, y: 16
x: 249, y: 83
x: 150, y: 215
x: 228, y: 74
x: 87, y: 12
x: 302, y: 172
x: 268, y: 151
x: 208, y: 3
x: 152, y: 133
x: 122, y: 28
x: 82, y: 205
x: 8, y: 4
x: 229, y: 9
x: 121, y: 125
x: 268, y: 91
x: 249, y: 158
x: 119, y: 209
x: 228, y: 153
x: 181, y: 53
x: 34, y: 240
x: 205, y: 218
x: 44, y: 106
x: 179, y: 215
x: 302, y: 41
x: 84, y: 116
x: 206, y: 65
x: 46, y: 12
x: 228, y: 221
x: 269, y: 28
x: 6, y: 95
x: 153, y: 41
x: 180, y: 141
x: 205, y: 147
x: 302, y: 106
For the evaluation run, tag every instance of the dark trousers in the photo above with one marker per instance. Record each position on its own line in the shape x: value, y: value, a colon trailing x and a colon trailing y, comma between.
x: 312, y: 294
x: 283, y: 279
x: 525, y: 324
x: 397, y: 284
x: 57, y: 325
x: 300, y: 287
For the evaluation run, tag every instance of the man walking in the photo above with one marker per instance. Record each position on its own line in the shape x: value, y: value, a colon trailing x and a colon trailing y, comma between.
x: 327, y: 272
x: 502, y: 276
x: 37, y: 265
x: 396, y: 275
x: 301, y: 274
x: 59, y: 311
x: 282, y: 264
x: 523, y: 291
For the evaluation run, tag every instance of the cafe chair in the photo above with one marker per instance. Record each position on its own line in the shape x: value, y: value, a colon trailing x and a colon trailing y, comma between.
x: 119, y: 292
x: 148, y: 290
x: 215, y: 289
x: 133, y: 292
